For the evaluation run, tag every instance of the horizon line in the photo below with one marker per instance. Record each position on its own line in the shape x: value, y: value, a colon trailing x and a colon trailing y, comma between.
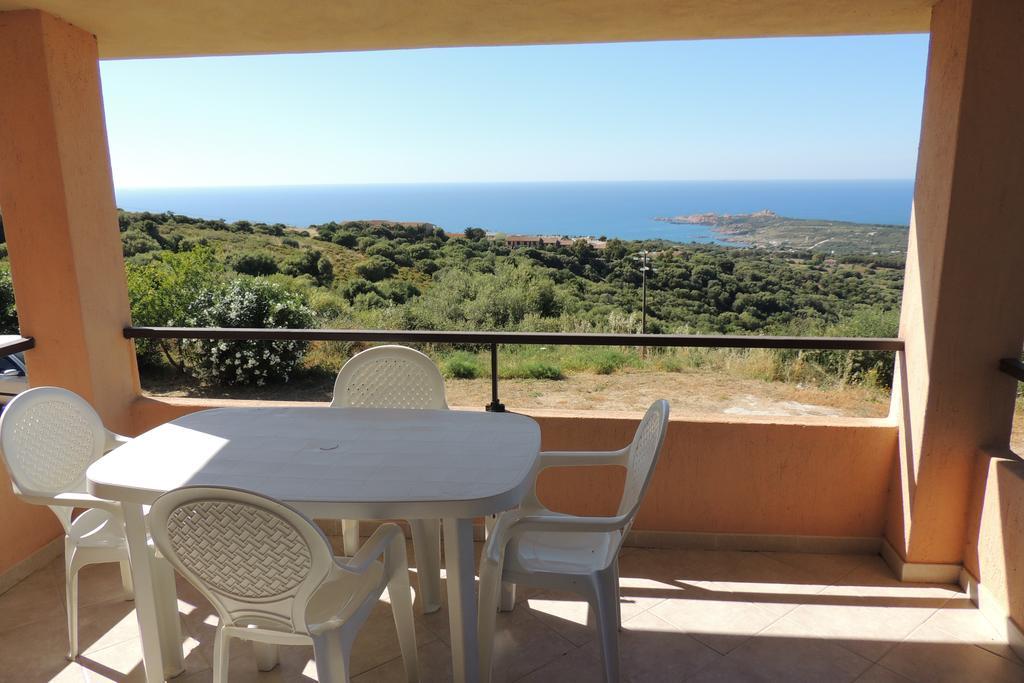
x: 508, y: 182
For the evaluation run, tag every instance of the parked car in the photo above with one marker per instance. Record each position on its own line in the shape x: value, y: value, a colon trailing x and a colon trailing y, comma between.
x: 13, y: 377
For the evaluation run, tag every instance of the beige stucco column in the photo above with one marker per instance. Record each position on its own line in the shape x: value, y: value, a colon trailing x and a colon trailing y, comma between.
x: 963, y: 305
x: 57, y: 197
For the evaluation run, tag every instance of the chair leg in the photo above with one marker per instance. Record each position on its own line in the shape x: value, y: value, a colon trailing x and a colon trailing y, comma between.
x: 508, y: 590
x: 166, y: 594
x: 221, y: 656
x: 618, y: 594
x: 350, y: 536
x: 332, y: 651
x: 606, y: 610
x: 426, y: 542
x: 71, y: 594
x: 126, y: 580
x: 400, y: 595
x: 490, y: 590
x: 508, y: 597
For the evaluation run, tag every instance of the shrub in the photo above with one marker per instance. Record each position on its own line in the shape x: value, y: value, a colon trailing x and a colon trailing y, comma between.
x: 277, y: 229
x: 327, y: 304
x: 257, y: 263
x: 290, y: 242
x: 8, y: 314
x: 246, y: 302
x: 376, y: 268
x: 607, y: 361
x: 345, y: 239
x: 136, y: 242
x: 537, y: 369
x: 383, y: 249
x: 187, y: 244
x: 397, y: 291
x: 671, y: 363
x: 369, y: 300
x: 303, y: 263
x: 461, y: 365
x: 870, y: 367
x: 356, y: 286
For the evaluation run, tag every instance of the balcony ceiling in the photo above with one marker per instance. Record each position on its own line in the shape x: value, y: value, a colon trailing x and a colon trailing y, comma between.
x: 158, y: 28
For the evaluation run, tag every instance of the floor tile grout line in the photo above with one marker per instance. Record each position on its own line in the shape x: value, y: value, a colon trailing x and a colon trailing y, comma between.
x: 1014, y: 660
x: 381, y: 665
x: 572, y: 647
x: 892, y: 645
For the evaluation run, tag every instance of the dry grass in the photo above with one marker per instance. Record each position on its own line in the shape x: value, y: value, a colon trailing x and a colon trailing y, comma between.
x: 693, y: 392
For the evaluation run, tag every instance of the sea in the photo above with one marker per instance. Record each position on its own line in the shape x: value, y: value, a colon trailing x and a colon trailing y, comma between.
x: 626, y: 210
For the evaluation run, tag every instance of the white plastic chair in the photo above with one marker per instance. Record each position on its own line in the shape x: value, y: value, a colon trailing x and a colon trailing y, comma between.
x: 48, y: 437
x: 270, y: 573
x: 392, y: 376
x: 535, y: 546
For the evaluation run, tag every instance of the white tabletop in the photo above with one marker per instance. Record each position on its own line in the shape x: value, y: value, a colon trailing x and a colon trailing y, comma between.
x: 347, y: 462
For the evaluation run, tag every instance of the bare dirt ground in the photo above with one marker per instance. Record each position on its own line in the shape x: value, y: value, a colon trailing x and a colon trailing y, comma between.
x: 690, y: 393
x: 1017, y: 437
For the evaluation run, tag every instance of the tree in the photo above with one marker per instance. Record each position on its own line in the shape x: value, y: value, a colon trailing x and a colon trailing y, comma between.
x: 324, y: 271
x: 475, y: 234
x: 163, y: 291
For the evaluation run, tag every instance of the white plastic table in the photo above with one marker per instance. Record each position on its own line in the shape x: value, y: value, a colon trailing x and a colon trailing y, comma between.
x: 330, y: 463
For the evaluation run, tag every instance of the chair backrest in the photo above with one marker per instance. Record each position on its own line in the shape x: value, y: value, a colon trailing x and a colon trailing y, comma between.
x: 643, y: 456
x: 255, y: 559
x: 48, y: 438
x: 389, y: 377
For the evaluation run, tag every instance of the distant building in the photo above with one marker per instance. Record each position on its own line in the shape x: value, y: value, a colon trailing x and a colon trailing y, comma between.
x: 523, y: 240
x: 514, y: 241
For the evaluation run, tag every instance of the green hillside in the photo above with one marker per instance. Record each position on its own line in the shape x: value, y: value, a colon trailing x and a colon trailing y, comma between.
x: 372, y: 275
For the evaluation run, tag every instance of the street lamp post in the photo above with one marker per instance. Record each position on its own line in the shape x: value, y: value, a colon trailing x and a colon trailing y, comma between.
x: 644, y: 258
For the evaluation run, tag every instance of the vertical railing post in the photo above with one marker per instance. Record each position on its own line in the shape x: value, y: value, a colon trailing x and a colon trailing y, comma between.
x: 495, y: 406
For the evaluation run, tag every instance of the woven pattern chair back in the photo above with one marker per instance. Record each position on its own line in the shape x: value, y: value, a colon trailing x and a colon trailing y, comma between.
x: 643, y: 456
x: 48, y: 438
x: 389, y: 377
x: 256, y: 559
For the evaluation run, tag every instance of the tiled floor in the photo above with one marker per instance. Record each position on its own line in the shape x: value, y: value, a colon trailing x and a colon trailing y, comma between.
x: 688, y: 616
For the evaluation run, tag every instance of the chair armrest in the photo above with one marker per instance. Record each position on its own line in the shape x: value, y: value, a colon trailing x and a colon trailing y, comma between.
x: 515, y: 522
x: 114, y: 440
x: 568, y: 523
x: 581, y: 458
x: 548, y: 459
x: 75, y: 500
x: 387, y: 539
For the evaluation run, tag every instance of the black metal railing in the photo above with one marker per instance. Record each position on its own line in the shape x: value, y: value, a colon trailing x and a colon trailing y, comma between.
x: 1013, y: 367
x: 493, y: 339
x: 14, y: 344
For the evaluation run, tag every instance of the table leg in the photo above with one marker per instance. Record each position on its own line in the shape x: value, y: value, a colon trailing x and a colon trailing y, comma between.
x: 426, y: 542
x: 458, y: 550
x: 160, y: 662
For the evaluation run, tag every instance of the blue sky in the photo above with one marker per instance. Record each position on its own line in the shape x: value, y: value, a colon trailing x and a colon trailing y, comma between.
x: 801, y: 108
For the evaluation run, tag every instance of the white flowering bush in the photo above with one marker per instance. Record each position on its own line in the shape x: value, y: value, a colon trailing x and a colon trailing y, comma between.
x: 246, y: 302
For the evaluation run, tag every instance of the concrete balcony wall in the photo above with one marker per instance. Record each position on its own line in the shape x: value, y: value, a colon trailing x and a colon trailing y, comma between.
x: 994, y: 552
x: 718, y: 476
